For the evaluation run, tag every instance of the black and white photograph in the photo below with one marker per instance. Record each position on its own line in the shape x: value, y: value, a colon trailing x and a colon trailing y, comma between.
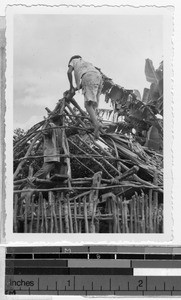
x: 89, y: 94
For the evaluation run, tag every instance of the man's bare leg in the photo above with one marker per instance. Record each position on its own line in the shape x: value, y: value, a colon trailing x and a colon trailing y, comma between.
x: 91, y: 111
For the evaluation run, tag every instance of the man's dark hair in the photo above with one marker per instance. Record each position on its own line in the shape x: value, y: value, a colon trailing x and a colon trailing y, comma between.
x: 74, y: 57
x: 56, y: 118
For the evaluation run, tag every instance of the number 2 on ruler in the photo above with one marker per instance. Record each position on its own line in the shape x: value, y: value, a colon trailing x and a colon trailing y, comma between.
x: 140, y: 283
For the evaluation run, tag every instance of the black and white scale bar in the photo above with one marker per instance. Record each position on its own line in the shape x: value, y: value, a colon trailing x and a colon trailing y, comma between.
x: 36, y: 263
x: 92, y: 263
x: 60, y: 255
x: 69, y: 271
x: 130, y: 256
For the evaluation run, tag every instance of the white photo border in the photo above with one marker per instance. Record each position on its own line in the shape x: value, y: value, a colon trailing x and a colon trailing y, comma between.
x: 105, y: 239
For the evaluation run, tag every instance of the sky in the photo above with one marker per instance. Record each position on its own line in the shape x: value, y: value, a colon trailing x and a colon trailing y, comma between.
x: 43, y: 45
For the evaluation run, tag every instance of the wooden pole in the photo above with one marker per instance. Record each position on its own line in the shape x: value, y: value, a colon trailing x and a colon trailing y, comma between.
x: 93, y: 198
x: 118, y: 214
x: 92, y: 158
x: 142, y: 198
x: 131, y: 216
x: 79, y: 211
x: 24, y: 141
x: 135, y: 214
x: 126, y: 216
x: 54, y: 214
x: 15, y: 213
x: 115, y: 223
x: 138, y: 179
x: 147, y: 214
x: 51, y: 211
x: 60, y: 201
x: 75, y: 216
x: 70, y: 216
x: 38, y: 215
x: 155, y: 203
x: 80, y: 162
x: 26, y: 214
x: 32, y: 214
x: 67, y: 230
x: 42, y: 214
x: 138, y: 211
x: 26, y: 155
x: 94, y: 151
x: 85, y: 216
x: 123, y: 217
x: 150, y: 211
x: 45, y: 215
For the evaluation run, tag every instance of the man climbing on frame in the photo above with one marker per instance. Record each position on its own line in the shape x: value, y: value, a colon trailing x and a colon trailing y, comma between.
x: 53, y: 163
x: 90, y: 80
x: 52, y: 150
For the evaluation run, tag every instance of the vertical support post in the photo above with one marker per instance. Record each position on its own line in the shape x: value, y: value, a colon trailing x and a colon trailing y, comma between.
x: 41, y: 214
x: 146, y: 214
x: 85, y: 215
x: 66, y: 217
x: 38, y: 215
x: 75, y: 216
x: 54, y: 213
x: 142, y: 199
x: 131, y: 216
x: 70, y: 215
x: 79, y: 212
x: 155, y: 203
x: 32, y: 214
x: 93, y: 198
x: 45, y: 214
x: 15, y: 228
x: 60, y: 200
x: 150, y: 211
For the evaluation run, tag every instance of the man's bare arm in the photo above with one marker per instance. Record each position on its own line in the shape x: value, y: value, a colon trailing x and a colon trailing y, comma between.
x: 69, y: 74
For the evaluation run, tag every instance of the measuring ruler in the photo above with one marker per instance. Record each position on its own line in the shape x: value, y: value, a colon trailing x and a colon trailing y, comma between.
x: 93, y: 270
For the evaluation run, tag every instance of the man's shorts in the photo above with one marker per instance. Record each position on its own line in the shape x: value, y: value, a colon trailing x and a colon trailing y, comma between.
x: 91, y: 87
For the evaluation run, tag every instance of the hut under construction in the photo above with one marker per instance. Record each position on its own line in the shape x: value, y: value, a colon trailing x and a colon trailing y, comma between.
x: 113, y: 184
